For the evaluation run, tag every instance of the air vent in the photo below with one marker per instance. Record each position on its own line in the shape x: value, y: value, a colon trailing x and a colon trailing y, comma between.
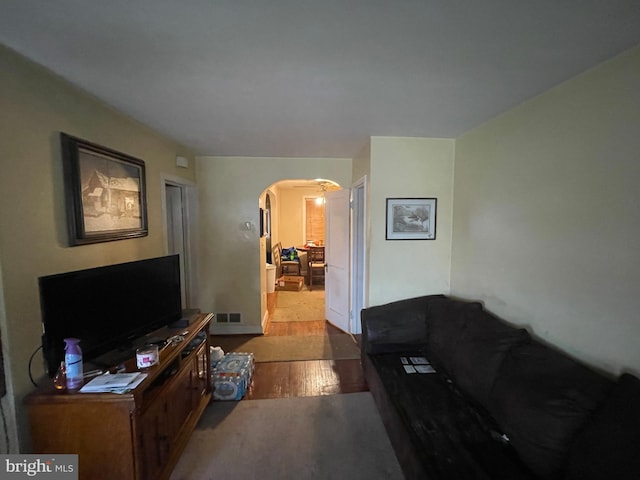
x: 228, y: 318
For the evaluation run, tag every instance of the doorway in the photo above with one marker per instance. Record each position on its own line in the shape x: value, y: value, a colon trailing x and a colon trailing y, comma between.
x: 296, y: 213
x: 177, y: 199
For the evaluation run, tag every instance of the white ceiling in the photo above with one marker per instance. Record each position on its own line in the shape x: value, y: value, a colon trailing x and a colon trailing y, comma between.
x: 315, y: 78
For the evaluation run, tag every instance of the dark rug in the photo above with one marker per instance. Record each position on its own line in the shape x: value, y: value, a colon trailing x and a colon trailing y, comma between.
x: 327, y: 437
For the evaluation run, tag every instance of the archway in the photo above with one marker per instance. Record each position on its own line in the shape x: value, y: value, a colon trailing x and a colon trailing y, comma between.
x: 291, y: 209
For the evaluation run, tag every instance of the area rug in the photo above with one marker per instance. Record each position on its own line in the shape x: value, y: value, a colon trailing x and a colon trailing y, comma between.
x: 295, y: 348
x: 327, y: 437
x: 299, y: 306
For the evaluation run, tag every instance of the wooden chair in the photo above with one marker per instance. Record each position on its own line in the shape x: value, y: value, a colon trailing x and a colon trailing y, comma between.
x: 285, y: 267
x: 315, y: 268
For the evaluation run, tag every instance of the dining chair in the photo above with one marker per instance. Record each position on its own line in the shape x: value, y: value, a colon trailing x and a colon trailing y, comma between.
x: 288, y: 267
x: 315, y: 257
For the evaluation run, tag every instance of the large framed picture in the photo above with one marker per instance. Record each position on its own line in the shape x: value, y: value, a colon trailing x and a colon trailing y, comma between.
x: 411, y: 218
x: 105, y: 193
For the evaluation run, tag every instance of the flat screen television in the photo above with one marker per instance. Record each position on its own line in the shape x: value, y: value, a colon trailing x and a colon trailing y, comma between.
x: 108, y: 308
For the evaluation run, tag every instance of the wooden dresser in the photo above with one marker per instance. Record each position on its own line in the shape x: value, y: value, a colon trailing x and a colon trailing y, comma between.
x: 138, y: 435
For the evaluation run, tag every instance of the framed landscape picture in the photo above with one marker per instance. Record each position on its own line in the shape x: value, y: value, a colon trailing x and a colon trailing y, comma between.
x: 411, y: 218
x: 105, y: 193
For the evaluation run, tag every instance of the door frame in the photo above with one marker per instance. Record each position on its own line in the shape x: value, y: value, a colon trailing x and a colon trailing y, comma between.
x: 358, y: 252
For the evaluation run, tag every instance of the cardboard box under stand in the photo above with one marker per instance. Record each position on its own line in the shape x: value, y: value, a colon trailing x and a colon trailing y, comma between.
x: 292, y: 283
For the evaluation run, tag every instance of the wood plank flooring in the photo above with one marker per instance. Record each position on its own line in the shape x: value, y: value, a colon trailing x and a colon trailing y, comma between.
x: 313, y: 327
x: 301, y: 378
x: 310, y: 378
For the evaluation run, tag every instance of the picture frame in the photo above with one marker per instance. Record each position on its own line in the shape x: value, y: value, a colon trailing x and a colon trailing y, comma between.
x: 411, y: 218
x: 105, y: 193
x: 262, y: 223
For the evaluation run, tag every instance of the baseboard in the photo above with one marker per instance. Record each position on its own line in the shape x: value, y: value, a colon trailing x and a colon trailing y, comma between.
x: 234, y: 329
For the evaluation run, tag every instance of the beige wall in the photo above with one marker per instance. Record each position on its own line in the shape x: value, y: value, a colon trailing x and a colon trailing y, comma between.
x: 362, y: 163
x: 409, y: 167
x: 35, y: 107
x: 291, y: 212
x: 547, y: 222
x: 231, y: 268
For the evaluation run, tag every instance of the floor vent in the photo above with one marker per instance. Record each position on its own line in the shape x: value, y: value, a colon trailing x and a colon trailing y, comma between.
x: 228, y: 318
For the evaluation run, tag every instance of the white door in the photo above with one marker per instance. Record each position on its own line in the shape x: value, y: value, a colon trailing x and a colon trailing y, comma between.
x: 337, y: 258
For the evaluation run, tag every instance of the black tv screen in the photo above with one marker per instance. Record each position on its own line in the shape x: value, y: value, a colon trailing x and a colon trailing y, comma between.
x: 108, y: 308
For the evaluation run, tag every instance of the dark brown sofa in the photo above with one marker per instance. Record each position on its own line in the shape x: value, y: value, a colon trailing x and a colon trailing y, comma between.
x: 501, y: 404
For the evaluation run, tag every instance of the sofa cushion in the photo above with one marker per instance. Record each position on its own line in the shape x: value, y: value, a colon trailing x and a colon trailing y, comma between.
x: 396, y: 326
x: 609, y: 444
x: 451, y: 439
x: 540, y: 399
x: 480, y: 350
x: 446, y: 320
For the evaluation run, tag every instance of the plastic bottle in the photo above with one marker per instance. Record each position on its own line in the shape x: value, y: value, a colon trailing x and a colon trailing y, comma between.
x: 73, y: 363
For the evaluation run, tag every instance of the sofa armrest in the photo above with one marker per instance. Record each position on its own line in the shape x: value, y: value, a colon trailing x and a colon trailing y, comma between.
x: 395, y: 326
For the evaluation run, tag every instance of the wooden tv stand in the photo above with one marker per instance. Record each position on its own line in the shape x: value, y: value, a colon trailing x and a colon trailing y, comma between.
x: 138, y: 435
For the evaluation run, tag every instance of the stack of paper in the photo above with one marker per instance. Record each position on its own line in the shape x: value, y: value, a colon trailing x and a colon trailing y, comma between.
x: 114, y: 382
x: 417, y: 365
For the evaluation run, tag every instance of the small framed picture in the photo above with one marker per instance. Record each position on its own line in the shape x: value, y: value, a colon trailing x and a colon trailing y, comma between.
x: 411, y: 218
x: 105, y: 193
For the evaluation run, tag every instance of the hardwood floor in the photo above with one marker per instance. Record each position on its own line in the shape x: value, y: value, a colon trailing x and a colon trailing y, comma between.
x: 301, y: 378
x: 314, y: 327
x: 310, y: 378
